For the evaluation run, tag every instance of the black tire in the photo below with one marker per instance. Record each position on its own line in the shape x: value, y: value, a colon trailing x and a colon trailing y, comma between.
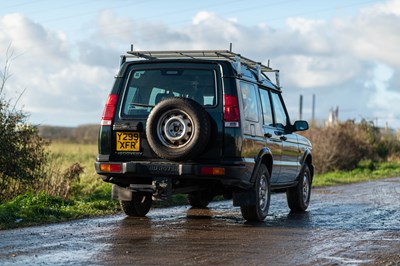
x: 178, y: 129
x: 262, y: 190
x: 139, y: 206
x: 298, y: 197
x: 200, y: 199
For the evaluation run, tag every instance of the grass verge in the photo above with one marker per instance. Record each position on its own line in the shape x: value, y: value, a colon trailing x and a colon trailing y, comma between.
x: 36, y: 209
x: 365, y: 171
x: 92, y: 197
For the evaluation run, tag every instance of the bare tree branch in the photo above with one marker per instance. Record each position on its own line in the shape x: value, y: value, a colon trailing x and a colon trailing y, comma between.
x: 5, y: 74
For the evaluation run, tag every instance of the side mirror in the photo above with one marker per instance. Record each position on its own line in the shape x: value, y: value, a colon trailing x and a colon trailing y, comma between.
x: 300, y: 125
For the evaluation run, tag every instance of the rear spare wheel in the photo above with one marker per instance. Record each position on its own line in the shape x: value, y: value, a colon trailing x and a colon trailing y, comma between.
x: 178, y: 129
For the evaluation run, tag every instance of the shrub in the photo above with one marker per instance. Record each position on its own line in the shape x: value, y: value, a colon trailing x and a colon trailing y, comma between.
x: 22, y: 151
x: 25, y: 164
x: 56, y: 181
x: 342, y: 147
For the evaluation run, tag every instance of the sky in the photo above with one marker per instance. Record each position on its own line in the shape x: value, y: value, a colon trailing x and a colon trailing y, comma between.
x: 65, y: 54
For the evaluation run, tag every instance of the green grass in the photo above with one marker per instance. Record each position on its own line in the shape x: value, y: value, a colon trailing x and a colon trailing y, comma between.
x: 92, y: 197
x: 34, y: 209
x: 366, y: 171
x: 65, y: 154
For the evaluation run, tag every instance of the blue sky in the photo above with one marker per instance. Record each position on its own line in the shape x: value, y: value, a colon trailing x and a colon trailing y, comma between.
x: 67, y: 52
x: 76, y: 17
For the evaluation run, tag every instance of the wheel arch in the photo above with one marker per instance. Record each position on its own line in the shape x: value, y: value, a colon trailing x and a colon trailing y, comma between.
x: 307, y: 160
x: 263, y: 157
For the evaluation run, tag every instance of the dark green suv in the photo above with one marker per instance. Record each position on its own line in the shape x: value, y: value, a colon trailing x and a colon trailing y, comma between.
x: 202, y: 123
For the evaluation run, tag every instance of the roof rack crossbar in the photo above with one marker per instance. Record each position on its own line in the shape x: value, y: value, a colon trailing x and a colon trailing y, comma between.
x: 197, y: 54
x: 205, y: 54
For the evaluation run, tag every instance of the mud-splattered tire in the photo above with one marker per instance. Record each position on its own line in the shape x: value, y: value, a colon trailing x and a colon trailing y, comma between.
x: 298, y: 197
x: 178, y: 129
x: 139, y: 206
x: 262, y: 190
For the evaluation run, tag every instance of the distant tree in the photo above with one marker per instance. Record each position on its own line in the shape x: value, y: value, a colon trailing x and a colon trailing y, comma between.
x: 22, y: 151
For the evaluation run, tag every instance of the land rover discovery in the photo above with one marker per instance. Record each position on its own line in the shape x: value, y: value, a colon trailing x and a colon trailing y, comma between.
x: 201, y: 123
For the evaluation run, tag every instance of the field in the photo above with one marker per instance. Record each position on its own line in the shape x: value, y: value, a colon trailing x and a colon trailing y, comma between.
x: 65, y: 154
x: 89, y: 196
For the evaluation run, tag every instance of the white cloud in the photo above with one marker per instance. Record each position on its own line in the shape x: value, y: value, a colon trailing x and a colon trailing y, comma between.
x: 391, y: 7
x: 336, y: 59
x: 114, y: 29
x: 316, y: 72
x: 374, y: 36
x: 303, y: 25
x: 54, y: 81
x: 386, y: 102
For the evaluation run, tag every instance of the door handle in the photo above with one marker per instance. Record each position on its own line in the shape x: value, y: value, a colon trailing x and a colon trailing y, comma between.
x: 268, y: 135
x: 283, y: 138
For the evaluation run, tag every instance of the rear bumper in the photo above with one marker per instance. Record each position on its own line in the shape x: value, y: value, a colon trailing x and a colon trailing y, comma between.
x: 237, y: 174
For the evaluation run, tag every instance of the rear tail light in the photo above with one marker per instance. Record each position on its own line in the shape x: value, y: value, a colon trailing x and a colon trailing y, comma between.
x: 231, y: 111
x: 110, y: 167
x: 109, y: 110
x: 212, y: 171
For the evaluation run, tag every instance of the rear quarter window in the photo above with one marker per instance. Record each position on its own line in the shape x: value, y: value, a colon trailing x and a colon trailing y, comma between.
x: 249, y: 96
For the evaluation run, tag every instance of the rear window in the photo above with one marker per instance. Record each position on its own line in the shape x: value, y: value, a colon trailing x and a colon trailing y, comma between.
x: 148, y: 87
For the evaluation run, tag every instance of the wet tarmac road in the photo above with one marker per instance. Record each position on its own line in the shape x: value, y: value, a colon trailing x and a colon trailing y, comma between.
x: 345, y: 225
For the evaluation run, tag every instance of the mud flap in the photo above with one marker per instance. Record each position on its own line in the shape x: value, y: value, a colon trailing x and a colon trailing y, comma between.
x: 120, y: 193
x: 244, y: 198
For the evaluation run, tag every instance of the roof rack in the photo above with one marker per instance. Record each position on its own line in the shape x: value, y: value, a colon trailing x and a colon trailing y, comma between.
x: 205, y: 54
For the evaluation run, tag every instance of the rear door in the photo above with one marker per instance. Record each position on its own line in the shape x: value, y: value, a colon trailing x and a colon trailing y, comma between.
x: 272, y: 137
x: 146, y: 84
x: 253, y: 136
x: 290, y: 150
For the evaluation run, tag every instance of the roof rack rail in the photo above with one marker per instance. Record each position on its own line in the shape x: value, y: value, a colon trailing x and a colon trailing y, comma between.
x: 205, y: 54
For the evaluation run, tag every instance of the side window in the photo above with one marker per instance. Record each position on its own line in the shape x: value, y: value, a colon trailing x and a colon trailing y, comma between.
x: 279, y: 110
x: 249, y: 101
x: 266, y: 107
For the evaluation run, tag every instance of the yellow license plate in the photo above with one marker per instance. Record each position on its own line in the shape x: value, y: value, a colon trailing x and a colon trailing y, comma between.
x: 128, y: 141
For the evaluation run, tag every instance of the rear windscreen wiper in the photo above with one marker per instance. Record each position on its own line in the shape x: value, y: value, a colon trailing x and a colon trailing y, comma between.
x: 141, y: 105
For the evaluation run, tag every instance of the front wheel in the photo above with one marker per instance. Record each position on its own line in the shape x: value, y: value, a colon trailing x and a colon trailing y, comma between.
x: 139, y: 206
x: 298, y: 197
x: 262, y: 191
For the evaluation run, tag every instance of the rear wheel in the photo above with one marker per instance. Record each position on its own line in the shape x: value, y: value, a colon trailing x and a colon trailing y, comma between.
x: 139, y: 206
x: 298, y: 197
x: 262, y: 191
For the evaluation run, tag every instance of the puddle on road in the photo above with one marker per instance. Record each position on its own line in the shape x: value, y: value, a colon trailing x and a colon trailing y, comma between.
x: 344, y: 225
x: 371, y: 206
